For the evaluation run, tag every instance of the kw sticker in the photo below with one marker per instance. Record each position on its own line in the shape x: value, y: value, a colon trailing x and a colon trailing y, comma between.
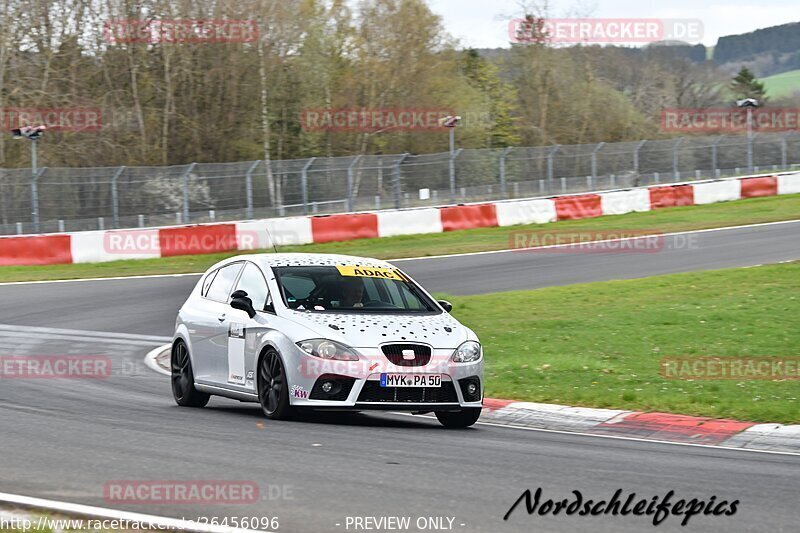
x: 299, y: 392
x: 363, y: 272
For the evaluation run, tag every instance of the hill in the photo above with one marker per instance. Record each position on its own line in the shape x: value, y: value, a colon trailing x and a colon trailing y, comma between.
x: 783, y: 84
x: 765, y: 51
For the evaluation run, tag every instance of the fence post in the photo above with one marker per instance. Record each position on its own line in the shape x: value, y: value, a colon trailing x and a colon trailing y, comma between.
x: 396, y: 179
x: 714, y: 162
x: 248, y: 183
x: 453, y: 157
x: 783, y: 152
x: 550, y: 176
x: 115, y: 197
x: 185, y: 185
x: 35, y: 197
x: 636, y: 156
x: 594, y: 159
x: 676, y: 175
x: 350, y: 181
x: 304, y: 183
x: 503, y: 171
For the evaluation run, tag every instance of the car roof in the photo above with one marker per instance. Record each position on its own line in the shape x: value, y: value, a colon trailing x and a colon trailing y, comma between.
x: 298, y: 259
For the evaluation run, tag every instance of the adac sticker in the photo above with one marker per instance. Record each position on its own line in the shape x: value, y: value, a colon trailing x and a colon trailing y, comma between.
x: 368, y: 272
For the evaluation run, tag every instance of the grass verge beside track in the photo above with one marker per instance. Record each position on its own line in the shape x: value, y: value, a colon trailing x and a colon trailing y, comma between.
x: 741, y: 212
x: 601, y: 344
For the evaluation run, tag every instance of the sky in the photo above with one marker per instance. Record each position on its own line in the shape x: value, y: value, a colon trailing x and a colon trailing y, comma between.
x: 484, y: 23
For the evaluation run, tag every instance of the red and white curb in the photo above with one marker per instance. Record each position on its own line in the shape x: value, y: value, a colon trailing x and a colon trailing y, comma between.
x: 147, y: 243
x: 661, y: 427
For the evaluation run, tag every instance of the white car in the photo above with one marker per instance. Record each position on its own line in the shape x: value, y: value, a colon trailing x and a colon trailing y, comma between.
x: 318, y: 331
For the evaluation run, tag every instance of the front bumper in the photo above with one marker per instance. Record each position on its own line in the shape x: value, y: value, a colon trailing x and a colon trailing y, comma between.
x: 364, y: 392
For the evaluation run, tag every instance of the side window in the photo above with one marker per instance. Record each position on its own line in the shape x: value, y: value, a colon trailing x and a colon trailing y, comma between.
x: 254, y: 284
x: 207, y: 282
x: 223, y: 282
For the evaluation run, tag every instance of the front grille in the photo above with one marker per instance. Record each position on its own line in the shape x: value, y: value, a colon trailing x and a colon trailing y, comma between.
x: 342, y: 385
x: 463, y: 383
x: 373, y: 392
x: 394, y: 353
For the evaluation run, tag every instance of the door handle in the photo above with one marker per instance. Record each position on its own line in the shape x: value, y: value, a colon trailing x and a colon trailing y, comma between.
x: 221, y: 318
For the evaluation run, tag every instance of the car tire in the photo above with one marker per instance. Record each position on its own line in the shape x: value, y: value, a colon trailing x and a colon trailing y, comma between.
x: 183, y: 378
x: 273, y: 387
x: 459, y: 419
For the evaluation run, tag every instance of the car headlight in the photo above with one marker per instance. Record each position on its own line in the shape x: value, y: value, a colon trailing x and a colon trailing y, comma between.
x: 468, y: 352
x: 327, y: 349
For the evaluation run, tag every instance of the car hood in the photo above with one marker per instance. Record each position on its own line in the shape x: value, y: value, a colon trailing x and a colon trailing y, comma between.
x: 369, y: 330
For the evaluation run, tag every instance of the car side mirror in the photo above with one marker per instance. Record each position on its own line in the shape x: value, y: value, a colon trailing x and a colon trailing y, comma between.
x: 447, y: 306
x: 240, y: 301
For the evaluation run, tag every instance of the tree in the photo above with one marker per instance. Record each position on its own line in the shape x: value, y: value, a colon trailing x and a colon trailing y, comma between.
x: 745, y: 85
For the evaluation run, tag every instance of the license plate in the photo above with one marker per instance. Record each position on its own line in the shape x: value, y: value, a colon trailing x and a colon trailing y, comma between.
x: 411, y: 380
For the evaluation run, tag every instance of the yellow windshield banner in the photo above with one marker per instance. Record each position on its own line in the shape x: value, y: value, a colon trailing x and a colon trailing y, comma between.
x: 369, y: 272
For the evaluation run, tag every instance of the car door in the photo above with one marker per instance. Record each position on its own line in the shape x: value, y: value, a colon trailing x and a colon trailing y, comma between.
x: 211, y: 329
x: 241, y: 329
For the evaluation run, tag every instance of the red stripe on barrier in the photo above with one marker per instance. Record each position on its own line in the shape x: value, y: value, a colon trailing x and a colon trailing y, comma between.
x: 574, y: 207
x: 193, y: 240
x: 38, y: 250
x: 754, y: 187
x: 344, y: 227
x: 671, y: 196
x: 674, y: 428
x: 460, y: 217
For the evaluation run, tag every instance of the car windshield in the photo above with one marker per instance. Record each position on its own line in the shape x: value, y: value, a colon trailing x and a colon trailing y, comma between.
x: 350, y: 289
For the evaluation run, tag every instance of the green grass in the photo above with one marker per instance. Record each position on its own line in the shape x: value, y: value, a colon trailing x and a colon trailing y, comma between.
x: 783, y: 84
x: 600, y: 344
x: 749, y: 211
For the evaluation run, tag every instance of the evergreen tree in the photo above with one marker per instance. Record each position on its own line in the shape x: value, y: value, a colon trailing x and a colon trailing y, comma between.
x: 745, y: 85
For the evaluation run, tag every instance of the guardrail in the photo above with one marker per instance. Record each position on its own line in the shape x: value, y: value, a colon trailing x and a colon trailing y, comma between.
x: 80, y: 199
x: 111, y: 245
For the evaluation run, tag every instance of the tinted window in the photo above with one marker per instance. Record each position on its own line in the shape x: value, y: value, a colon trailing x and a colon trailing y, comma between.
x: 326, y: 288
x: 223, y: 282
x: 254, y: 284
x: 297, y: 287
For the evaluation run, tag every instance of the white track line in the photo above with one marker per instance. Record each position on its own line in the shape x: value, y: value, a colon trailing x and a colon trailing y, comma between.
x: 466, y: 254
x: 159, y: 522
x: 84, y: 333
x: 617, y: 437
x: 114, y: 278
x: 583, y: 243
x: 150, y: 360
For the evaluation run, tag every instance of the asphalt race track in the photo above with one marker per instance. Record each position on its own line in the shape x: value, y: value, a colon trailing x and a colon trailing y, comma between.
x: 315, y: 472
